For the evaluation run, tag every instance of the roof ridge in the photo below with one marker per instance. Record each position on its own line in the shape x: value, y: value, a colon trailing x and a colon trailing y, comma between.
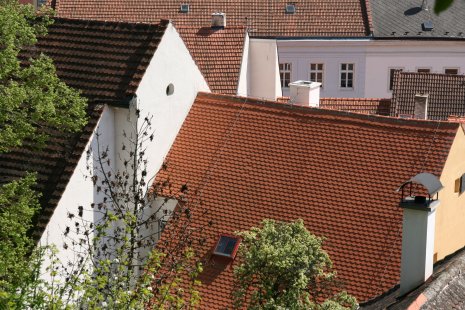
x: 79, y: 21
x: 326, y: 113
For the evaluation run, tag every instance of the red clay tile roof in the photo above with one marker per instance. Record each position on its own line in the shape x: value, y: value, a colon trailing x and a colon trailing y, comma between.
x: 54, y: 164
x: 248, y: 160
x: 446, y: 94
x: 105, y: 60
x: 218, y: 54
x: 319, y: 18
x: 357, y: 105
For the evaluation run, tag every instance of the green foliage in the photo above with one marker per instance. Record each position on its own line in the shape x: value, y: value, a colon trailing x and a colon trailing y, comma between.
x: 442, y: 5
x: 31, y: 94
x: 285, y: 267
x: 18, y: 203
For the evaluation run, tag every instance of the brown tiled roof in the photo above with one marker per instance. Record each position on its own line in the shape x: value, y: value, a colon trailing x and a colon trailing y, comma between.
x: 105, y: 60
x: 446, y: 94
x: 248, y: 160
x: 218, y: 54
x: 319, y: 18
x: 357, y: 105
x: 54, y: 163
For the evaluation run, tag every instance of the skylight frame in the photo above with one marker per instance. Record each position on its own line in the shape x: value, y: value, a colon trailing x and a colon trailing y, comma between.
x: 184, y: 8
x: 233, y: 253
x: 290, y: 8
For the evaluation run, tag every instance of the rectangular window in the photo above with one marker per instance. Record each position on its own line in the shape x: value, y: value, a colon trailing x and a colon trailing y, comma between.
x: 316, y: 73
x: 423, y: 70
x: 391, y: 76
x: 285, y: 74
x: 347, y: 76
x: 460, y: 184
x: 451, y: 71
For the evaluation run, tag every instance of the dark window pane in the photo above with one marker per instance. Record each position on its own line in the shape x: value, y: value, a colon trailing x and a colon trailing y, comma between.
x: 343, y: 66
x: 320, y: 66
x: 351, y: 67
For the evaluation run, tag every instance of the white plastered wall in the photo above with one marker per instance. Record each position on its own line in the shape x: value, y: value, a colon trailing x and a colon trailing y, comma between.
x: 171, y: 64
x: 79, y: 191
x: 372, y: 60
x: 264, y: 69
x: 243, y: 86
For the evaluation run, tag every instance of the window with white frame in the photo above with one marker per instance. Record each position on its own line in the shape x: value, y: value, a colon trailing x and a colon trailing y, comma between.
x: 454, y: 71
x: 347, y: 76
x: 316, y: 73
x: 285, y: 70
x: 391, y: 76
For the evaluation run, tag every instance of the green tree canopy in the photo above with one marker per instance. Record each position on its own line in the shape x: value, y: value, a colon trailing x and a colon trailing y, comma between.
x: 31, y: 94
x: 285, y: 267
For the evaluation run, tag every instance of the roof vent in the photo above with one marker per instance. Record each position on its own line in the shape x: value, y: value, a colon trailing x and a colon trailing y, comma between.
x: 427, y: 26
x: 184, y: 8
x: 218, y: 20
x: 290, y: 8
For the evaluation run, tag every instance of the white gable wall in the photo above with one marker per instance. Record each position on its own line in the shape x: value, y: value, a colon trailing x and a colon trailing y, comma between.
x: 264, y: 69
x: 79, y: 192
x: 243, y: 87
x: 171, y: 64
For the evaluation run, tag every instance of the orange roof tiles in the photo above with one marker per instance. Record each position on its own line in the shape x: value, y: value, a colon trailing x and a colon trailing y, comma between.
x: 357, y: 105
x: 248, y: 160
x: 319, y: 18
x: 218, y: 54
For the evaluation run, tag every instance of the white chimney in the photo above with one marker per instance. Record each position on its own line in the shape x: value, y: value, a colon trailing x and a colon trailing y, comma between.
x: 218, y: 20
x: 305, y: 93
x: 419, y: 219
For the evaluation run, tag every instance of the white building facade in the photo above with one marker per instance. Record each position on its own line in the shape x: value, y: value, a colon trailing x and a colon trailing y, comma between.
x: 362, y: 68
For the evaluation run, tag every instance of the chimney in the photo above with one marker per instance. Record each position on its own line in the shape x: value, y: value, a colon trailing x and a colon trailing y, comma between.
x: 305, y: 93
x: 421, y: 106
x: 419, y: 218
x: 218, y: 20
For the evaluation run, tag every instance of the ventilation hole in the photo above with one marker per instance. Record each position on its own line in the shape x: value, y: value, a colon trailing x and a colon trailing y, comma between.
x: 170, y: 89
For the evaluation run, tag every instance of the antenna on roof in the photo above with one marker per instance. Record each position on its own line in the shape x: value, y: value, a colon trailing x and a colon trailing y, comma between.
x: 425, y: 5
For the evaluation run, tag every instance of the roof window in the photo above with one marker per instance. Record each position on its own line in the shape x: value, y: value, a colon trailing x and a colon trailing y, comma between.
x: 227, y: 246
x: 290, y: 8
x: 427, y: 26
x: 184, y: 8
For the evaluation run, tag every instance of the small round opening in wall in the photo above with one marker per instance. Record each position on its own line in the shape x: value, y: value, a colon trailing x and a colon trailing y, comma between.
x: 169, y: 89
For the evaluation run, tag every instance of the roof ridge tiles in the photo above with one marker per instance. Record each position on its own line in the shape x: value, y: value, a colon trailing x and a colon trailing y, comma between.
x: 380, y: 119
x: 95, y: 22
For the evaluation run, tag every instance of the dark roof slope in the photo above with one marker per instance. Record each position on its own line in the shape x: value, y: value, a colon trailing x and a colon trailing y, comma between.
x: 320, y: 18
x: 218, y: 54
x: 248, y: 160
x: 105, y: 60
x: 357, y: 105
x: 445, y: 289
x: 54, y: 163
x: 403, y: 19
x: 446, y: 94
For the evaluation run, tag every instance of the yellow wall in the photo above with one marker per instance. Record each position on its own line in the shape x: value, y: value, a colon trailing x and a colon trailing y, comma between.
x: 450, y: 216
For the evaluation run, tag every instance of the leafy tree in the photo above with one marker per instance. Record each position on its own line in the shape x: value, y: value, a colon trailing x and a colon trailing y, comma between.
x: 32, y: 98
x: 113, y: 263
x: 31, y: 94
x: 442, y: 5
x: 285, y: 267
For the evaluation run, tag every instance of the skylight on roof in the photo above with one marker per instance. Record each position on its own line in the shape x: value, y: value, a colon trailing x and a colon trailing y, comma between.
x: 184, y: 8
x: 427, y: 26
x: 290, y: 8
x: 227, y: 246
